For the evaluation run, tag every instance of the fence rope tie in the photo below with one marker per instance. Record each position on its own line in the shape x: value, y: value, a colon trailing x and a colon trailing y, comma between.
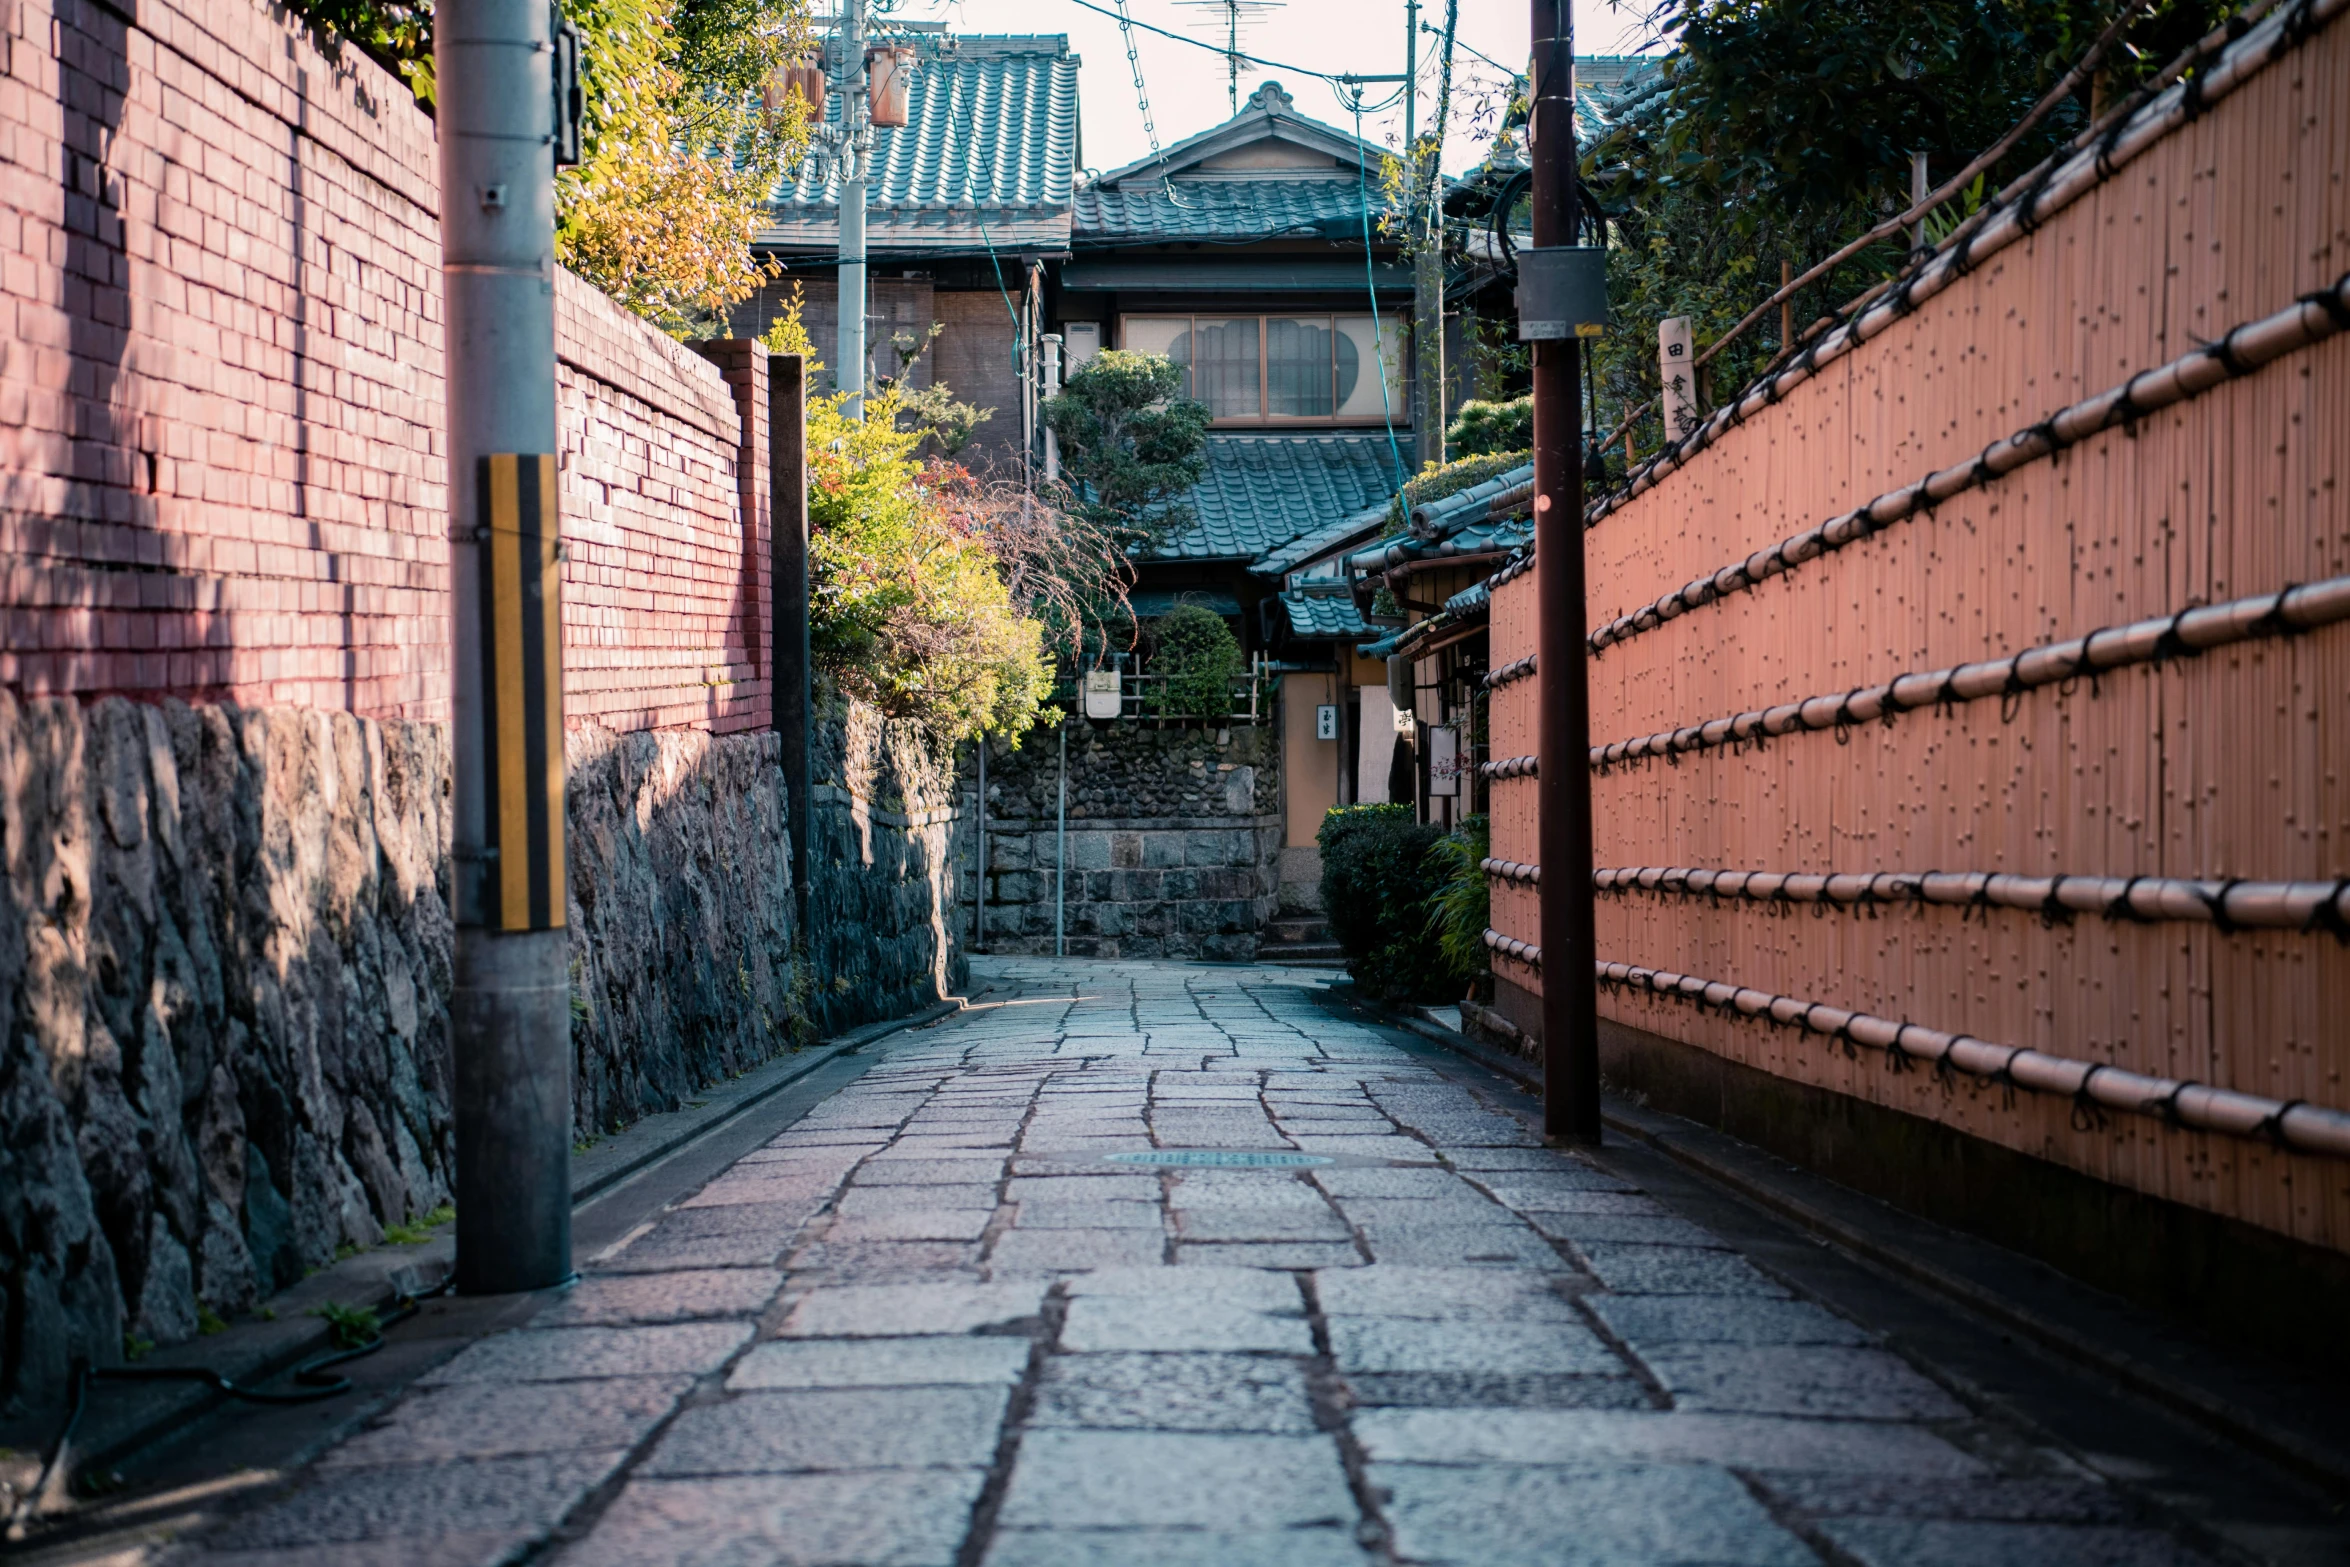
x: 2017, y: 214
x: 2088, y: 1115
x: 2255, y: 344
x: 2093, y: 1087
x: 1511, y: 672
x: 2331, y: 914
x: 2233, y: 904
x: 2188, y: 632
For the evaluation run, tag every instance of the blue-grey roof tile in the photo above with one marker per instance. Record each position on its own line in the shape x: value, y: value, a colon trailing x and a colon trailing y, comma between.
x: 1262, y: 491
x: 1312, y: 545
x: 1325, y: 616
x: 1222, y: 209
x: 990, y: 140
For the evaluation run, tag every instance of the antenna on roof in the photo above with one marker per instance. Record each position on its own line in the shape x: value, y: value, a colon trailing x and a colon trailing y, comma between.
x: 1228, y: 17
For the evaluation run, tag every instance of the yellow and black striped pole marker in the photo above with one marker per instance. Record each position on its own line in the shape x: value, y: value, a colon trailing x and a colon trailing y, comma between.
x: 522, y: 694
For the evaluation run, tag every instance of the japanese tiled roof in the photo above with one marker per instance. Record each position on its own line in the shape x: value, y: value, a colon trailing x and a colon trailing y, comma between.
x: 990, y: 140
x: 1262, y: 491
x: 1223, y: 209
x: 1476, y: 521
x: 1331, y: 616
x: 1310, y: 546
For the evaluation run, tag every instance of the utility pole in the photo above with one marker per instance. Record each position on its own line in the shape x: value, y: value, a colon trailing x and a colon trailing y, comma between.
x: 855, y: 153
x: 1570, y: 989
x: 510, y: 1005
x: 1428, y: 261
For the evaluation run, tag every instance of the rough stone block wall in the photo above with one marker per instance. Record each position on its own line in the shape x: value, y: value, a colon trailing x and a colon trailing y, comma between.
x: 224, y: 971
x: 887, y: 891
x: 1174, y: 841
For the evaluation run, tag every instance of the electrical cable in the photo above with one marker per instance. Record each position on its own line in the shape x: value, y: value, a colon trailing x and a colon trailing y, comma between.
x: 1142, y: 98
x: 1221, y: 54
x: 979, y: 211
x: 314, y: 1387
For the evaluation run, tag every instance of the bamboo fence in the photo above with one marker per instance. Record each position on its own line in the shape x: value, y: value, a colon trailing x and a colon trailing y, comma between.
x: 2221, y: 770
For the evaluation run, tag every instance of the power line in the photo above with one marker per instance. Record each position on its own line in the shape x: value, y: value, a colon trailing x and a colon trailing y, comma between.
x: 1221, y: 54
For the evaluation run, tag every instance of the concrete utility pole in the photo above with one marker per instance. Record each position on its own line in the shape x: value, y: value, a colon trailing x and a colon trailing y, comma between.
x: 510, y: 1010
x: 1570, y: 989
x: 856, y: 151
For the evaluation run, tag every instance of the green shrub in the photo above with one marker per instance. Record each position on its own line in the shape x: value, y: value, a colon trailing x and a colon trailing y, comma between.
x: 1377, y: 878
x: 1200, y: 659
x: 1462, y: 907
x: 1481, y: 428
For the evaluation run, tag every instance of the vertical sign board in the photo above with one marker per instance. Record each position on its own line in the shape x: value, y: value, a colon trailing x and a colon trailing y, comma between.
x: 1677, y: 373
x: 1326, y: 721
x: 1444, y: 760
x: 522, y: 881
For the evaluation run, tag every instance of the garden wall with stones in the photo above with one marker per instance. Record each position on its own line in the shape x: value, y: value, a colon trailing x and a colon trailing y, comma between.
x: 1174, y: 841
x: 224, y: 970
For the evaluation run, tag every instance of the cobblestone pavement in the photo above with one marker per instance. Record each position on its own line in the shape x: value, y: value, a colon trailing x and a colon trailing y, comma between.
x: 935, y: 1323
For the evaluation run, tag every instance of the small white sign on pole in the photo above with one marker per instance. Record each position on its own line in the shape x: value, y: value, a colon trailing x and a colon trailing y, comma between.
x: 1444, y: 760
x: 1676, y: 368
x: 1326, y: 721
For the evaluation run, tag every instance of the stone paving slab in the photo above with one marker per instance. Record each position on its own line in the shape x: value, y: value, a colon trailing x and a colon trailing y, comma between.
x: 898, y: 1310
x: 881, y: 1362
x: 901, y: 1518
x: 1314, y: 1547
x: 474, y: 1420
x: 1159, y: 1479
x: 832, y: 1429
x: 935, y: 1306
x: 1616, y: 1515
x: 623, y: 1299
x: 1175, y: 1392
x: 563, y: 1354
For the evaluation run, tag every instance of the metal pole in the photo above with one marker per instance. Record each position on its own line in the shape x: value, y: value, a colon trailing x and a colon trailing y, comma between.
x: 856, y: 146
x: 1570, y: 990
x: 1061, y: 852
x: 794, y: 701
x: 1049, y: 362
x: 510, y: 1003
x: 979, y: 861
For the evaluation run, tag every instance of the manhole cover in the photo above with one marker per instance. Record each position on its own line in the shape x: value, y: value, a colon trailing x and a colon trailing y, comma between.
x: 1225, y: 1158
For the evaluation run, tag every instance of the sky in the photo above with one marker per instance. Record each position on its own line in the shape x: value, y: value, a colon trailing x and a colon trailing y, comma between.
x: 1187, y: 85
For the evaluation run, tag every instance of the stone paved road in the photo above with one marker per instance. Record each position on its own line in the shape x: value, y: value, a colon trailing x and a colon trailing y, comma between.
x: 934, y: 1325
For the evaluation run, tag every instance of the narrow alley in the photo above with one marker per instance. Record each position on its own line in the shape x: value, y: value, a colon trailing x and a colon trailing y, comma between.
x: 1151, y: 1264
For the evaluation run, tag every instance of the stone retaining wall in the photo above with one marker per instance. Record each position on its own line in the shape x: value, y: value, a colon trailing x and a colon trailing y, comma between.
x: 1174, y: 839
x: 224, y: 970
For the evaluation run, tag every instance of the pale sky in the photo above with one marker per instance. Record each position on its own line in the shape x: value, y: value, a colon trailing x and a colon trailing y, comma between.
x: 1187, y: 85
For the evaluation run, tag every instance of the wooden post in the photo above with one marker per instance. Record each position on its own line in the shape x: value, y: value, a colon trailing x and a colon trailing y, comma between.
x: 1786, y: 309
x: 793, y: 702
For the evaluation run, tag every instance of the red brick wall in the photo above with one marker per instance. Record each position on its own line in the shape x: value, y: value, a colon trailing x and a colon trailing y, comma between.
x: 221, y: 410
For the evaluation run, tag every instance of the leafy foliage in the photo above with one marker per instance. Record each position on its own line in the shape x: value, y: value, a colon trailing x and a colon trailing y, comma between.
x: 1461, y: 909
x: 679, y: 149
x: 1200, y: 659
x: 1377, y: 878
x: 1482, y: 428
x: 910, y: 606
x: 1131, y: 443
x: 1780, y: 130
x: 1434, y: 483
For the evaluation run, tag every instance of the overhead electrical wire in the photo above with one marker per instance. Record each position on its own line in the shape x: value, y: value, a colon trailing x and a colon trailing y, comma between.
x: 1126, y: 21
